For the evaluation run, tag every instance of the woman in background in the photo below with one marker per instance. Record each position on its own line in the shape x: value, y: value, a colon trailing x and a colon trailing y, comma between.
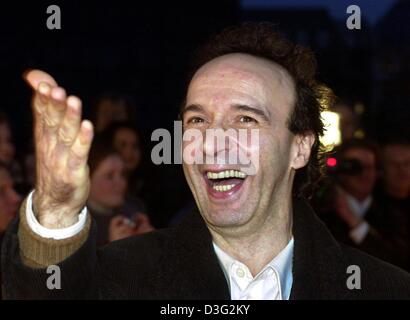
x: 116, y: 218
x: 8, y: 154
x: 9, y: 203
x: 127, y: 141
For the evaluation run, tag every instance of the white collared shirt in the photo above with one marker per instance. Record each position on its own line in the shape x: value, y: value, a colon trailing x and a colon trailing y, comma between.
x: 274, y: 282
x: 359, y: 209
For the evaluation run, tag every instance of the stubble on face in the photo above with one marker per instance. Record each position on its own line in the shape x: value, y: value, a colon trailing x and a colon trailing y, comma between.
x: 261, y: 84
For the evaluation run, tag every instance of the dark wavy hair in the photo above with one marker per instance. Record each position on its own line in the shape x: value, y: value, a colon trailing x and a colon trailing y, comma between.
x: 262, y: 40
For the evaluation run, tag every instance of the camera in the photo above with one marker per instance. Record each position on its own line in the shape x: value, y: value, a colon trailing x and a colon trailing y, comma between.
x: 337, y: 166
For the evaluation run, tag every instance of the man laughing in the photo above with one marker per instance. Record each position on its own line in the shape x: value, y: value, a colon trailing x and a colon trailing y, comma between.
x: 254, y: 235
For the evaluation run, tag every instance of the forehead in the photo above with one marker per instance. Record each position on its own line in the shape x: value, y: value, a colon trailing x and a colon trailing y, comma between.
x: 360, y: 154
x: 396, y: 149
x: 242, y: 76
x: 125, y: 133
x: 111, y: 162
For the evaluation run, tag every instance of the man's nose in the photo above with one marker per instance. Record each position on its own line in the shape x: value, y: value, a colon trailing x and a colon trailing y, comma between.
x: 213, y: 142
x: 218, y: 141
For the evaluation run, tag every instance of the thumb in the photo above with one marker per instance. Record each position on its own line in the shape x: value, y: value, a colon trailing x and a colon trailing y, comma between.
x: 34, y: 77
x: 140, y: 217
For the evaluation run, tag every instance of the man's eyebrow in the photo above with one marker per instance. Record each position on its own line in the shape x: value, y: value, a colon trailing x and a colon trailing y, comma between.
x: 239, y: 107
x: 192, y: 108
x: 255, y: 110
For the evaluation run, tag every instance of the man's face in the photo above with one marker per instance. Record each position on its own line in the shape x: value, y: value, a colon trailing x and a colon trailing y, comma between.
x: 239, y: 91
x: 396, y: 173
x: 126, y: 141
x: 108, y: 183
x: 361, y: 185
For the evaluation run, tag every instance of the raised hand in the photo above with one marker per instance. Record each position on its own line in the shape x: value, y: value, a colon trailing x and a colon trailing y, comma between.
x: 62, y: 143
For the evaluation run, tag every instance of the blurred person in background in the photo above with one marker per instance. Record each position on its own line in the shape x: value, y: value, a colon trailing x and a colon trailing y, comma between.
x: 355, y: 216
x: 29, y: 163
x: 8, y: 153
x: 349, y: 122
x: 7, y: 149
x: 393, y: 193
x: 116, y: 218
x: 396, y: 168
x: 9, y: 202
x: 112, y: 107
x: 144, y: 178
x: 127, y: 141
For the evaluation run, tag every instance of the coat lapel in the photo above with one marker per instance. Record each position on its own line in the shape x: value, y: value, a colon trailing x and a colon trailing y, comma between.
x: 190, y: 268
x: 196, y: 273
x: 318, y: 265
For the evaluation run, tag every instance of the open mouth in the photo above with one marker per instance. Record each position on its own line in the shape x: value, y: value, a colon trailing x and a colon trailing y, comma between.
x: 225, y: 182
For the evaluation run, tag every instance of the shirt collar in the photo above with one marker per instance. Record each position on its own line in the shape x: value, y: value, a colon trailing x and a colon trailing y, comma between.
x: 282, y: 263
x: 359, y: 208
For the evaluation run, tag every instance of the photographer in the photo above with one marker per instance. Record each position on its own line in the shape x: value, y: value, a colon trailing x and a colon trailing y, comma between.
x: 354, y: 215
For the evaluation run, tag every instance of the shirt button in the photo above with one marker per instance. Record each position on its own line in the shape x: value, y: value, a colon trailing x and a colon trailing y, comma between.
x: 240, y: 273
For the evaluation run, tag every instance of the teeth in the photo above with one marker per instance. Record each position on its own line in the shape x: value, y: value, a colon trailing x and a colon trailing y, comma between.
x: 226, y: 174
x: 224, y: 187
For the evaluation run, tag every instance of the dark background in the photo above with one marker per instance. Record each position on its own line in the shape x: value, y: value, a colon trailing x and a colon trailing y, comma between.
x: 143, y: 48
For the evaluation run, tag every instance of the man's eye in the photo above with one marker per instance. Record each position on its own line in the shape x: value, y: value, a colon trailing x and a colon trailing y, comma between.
x: 195, y: 120
x: 246, y: 119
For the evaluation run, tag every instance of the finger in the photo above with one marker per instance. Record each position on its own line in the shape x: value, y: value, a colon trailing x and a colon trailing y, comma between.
x: 146, y: 227
x: 35, y: 77
x: 137, y: 221
x: 56, y: 107
x: 39, y: 104
x: 124, y: 229
x: 41, y: 97
x: 145, y: 224
x: 70, y: 125
x: 41, y: 82
x: 81, y: 145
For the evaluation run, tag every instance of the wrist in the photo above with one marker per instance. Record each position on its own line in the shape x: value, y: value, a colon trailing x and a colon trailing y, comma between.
x: 57, y: 221
x: 52, y: 216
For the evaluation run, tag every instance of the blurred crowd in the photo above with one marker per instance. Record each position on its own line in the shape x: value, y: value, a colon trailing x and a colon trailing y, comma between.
x: 114, y: 163
x: 364, y: 199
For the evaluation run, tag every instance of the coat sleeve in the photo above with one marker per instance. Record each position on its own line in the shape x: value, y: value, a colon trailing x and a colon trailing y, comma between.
x: 38, y: 268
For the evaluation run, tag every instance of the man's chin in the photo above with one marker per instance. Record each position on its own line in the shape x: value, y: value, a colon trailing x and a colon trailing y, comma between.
x: 223, y: 217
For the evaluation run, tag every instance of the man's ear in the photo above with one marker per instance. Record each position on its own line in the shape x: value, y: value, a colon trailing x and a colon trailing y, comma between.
x: 302, y: 148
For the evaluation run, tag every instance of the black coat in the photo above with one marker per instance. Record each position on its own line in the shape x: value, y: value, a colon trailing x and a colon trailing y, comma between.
x: 180, y: 263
